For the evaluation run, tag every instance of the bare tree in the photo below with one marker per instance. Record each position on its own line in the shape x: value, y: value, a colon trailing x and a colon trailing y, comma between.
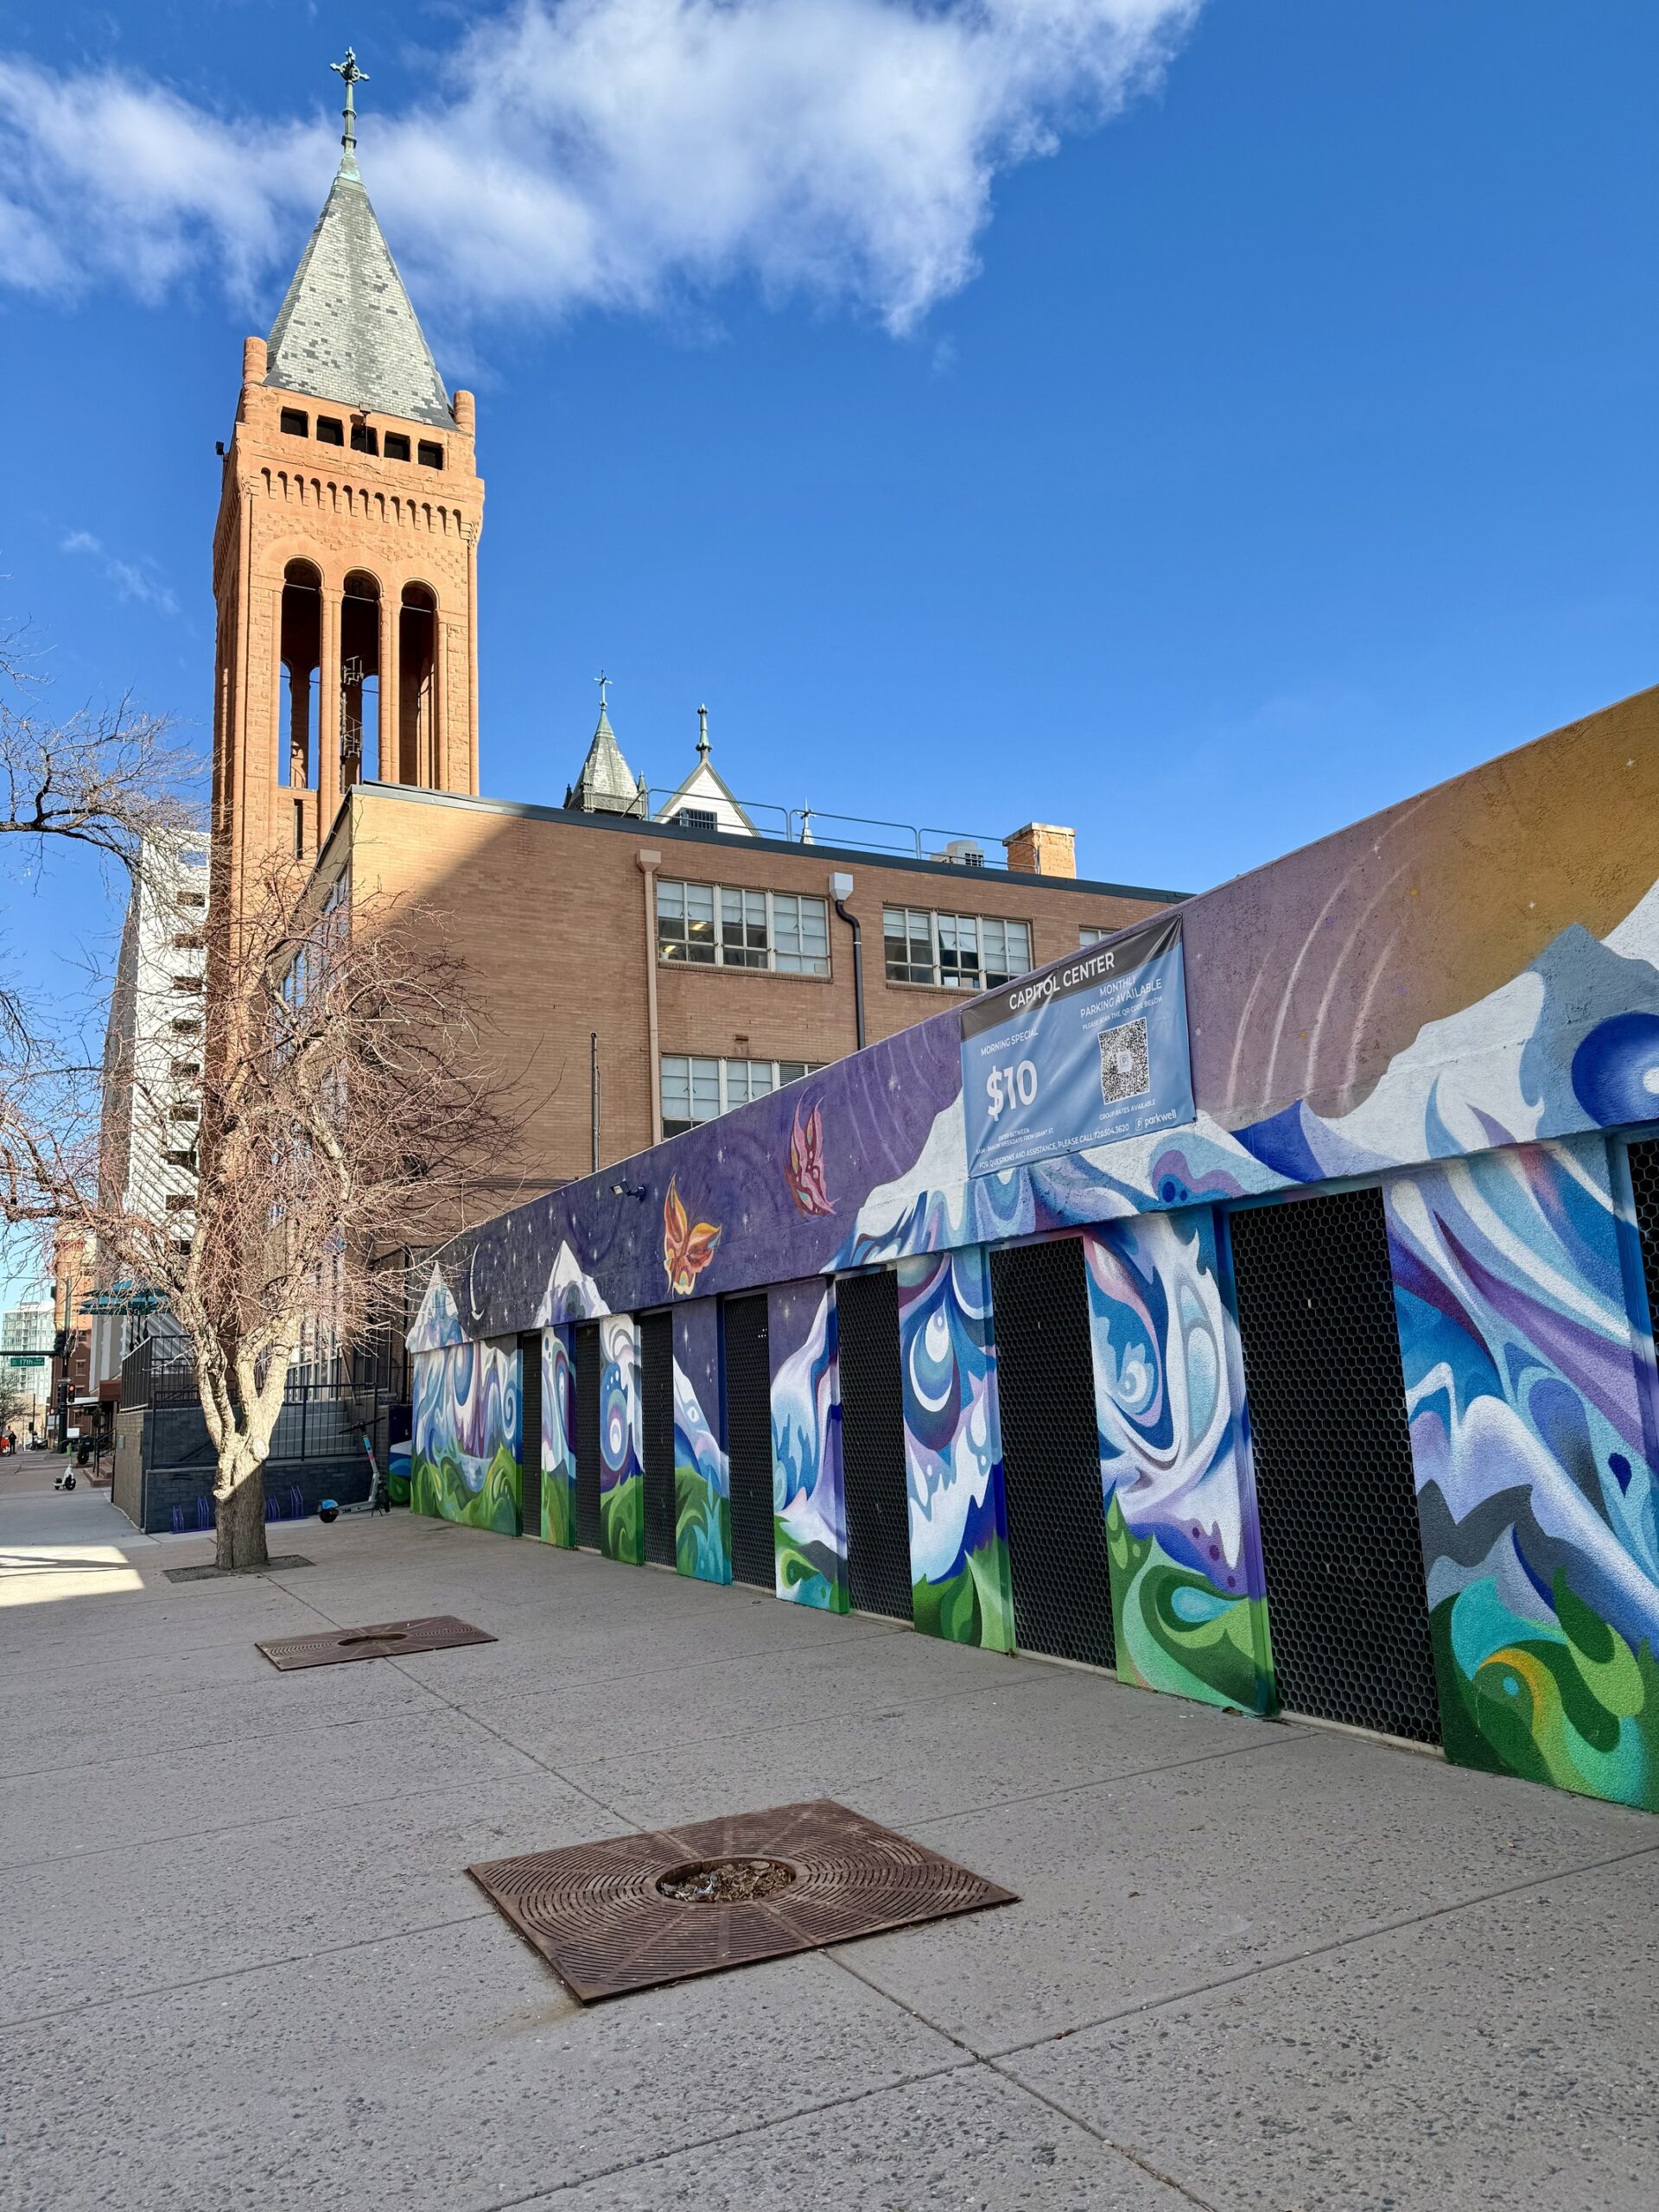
x: 105, y: 778
x: 345, y: 1105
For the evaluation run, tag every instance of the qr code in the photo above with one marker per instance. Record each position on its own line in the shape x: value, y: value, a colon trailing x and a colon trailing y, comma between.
x: 1124, y: 1072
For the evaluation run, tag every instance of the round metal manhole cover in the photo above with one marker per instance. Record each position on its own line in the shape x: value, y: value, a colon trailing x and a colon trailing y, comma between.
x: 726, y: 1881
x: 603, y: 1915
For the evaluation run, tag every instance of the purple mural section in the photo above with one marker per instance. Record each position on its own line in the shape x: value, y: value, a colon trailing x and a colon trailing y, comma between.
x: 702, y: 1512
x: 809, y: 1514
x: 1183, y: 1543
x: 1531, y: 1433
x: 1456, y: 1001
x: 953, y: 1450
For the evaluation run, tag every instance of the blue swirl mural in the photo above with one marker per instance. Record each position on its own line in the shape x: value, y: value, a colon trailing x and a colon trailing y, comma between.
x: 464, y: 1463
x: 703, y: 1508
x: 621, y: 1444
x: 1182, y: 1540
x: 809, y: 1506
x: 558, y: 1440
x: 1530, y: 1434
x: 953, y: 1451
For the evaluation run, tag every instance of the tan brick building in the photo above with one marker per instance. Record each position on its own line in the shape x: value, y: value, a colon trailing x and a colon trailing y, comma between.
x: 710, y: 966
x: 705, y: 961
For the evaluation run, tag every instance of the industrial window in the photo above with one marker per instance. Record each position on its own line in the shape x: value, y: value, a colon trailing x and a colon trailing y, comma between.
x: 364, y: 438
x: 961, y: 952
x: 183, y: 1027
x: 430, y: 454
x: 184, y: 1110
x: 187, y: 941
x: 185, y: 1158
x: 1093, y: 933
x: 697, y: 818
x: 296, y: 422
x: 330, y: 430
x: 186, y: 1070
x: 187, y: 983
x: 178, y: 1201
x: 192, y: 898
x: 711, y: 926
x: 696, y: 1090
x: 396, y: 446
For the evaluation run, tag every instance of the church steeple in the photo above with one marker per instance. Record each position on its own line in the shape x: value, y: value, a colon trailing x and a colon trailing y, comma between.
x: 606, y: 783
x: 346, y: 330
x: 345, y: 561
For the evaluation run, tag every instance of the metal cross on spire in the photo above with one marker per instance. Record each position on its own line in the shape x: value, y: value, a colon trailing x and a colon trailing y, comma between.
x: 604, y: 682
x: 354, y: 76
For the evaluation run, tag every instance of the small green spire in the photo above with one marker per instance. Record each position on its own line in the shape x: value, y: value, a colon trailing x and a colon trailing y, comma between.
x: 354, y: 76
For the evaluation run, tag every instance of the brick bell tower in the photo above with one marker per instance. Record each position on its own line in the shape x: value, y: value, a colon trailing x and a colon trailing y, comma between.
x: 346, y: 552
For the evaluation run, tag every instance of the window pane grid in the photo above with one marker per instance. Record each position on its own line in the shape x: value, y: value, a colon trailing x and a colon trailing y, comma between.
x: 962, y: 952
x: 717, y: 925
x: 698, y: 1090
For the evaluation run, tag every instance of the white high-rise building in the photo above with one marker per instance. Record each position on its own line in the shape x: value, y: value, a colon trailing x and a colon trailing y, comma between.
x: 152, y: 1074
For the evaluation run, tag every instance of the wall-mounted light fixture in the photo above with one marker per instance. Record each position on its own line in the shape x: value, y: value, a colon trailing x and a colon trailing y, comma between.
x: 630, y: 1190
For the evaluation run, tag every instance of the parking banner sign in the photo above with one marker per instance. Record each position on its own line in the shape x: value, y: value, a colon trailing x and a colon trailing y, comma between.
x: 1091, y: 1052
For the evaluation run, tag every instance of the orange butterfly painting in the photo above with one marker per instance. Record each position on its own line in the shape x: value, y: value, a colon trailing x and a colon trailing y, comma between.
x: 688, y: 1246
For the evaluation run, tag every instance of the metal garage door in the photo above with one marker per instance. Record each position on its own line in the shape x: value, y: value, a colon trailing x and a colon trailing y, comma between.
x: 529, y: 1452
x: 873, y: 1444
x: 1347, y: 1608
x: 590, y: 1369
x: 657, y: 1358
x: 748, y: 1436
x: 1050, y: 1453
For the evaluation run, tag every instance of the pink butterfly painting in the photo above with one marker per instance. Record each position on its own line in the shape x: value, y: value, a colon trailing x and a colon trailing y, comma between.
x: 804, y: 1173
x: 688, y: 1246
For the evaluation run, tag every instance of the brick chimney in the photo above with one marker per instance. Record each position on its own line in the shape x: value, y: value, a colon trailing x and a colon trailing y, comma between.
x: 1043, y: 849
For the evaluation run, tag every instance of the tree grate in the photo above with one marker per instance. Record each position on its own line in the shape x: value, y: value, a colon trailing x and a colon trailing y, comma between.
x: 590, y: 1369
x: 657, y: 1391
x: 1347, y: 1601
x: 1050, y: 1453
x: 749, y: 1431
x: 385, y: 1640
x: 873, y: 1445
x: 598, y: 1917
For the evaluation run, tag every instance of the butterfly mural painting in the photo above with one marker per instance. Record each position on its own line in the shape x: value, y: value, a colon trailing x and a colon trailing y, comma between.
x: 804, y: 1173
x: 688, y: 1246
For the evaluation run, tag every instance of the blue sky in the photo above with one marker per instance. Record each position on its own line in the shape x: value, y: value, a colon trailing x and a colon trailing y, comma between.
x: 1201, y: 425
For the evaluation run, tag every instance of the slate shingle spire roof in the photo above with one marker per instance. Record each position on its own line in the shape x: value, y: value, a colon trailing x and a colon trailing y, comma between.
x: 346, y: 331
x: 606, y: 784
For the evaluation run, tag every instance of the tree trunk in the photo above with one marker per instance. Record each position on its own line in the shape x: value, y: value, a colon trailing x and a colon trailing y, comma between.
x: 239, y: 1508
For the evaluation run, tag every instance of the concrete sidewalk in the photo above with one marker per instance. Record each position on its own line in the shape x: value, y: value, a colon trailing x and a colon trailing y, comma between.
x: 1255, y: 1965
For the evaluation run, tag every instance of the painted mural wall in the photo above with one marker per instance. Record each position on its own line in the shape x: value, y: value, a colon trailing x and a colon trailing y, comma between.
x: 1457, y: 1001
x: 464, y: 1463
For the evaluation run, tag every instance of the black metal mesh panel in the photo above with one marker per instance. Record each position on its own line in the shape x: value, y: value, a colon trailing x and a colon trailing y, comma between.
x: 1347, y: 1605
x: 748, y: 1439
x: 1644, y: 1187
x: 1050, y: 1453
x: 657, y: 1358
x: 529, y: 1457
x: 590, y: 1370
x: 873, y: 1444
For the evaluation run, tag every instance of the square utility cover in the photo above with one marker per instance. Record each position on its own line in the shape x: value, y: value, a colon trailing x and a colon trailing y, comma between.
x: 636, y: 1910
x: 386, y: 1640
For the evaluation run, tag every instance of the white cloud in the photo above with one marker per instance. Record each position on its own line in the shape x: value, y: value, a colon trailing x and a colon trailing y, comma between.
x: 138, y: 580
x: 601, y: 152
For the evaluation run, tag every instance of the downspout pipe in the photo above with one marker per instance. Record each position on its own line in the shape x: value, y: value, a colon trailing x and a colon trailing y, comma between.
x: 841, y: 890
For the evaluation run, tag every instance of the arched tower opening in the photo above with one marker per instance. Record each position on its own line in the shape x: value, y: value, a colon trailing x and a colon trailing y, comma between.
x: 417, y: 746
x: 300, y: 657
x: 360, y: 738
